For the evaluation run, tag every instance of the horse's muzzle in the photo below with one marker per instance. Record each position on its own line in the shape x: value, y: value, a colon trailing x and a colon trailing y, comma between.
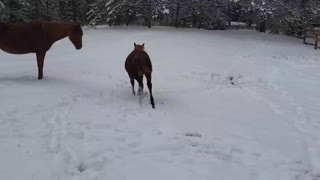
x: 79, y: 47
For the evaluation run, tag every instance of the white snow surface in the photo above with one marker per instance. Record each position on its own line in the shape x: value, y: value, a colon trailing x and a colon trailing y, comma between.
x: 230, y: 105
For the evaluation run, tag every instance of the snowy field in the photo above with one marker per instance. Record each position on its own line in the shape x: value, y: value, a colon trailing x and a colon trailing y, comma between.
x: 230, y: 105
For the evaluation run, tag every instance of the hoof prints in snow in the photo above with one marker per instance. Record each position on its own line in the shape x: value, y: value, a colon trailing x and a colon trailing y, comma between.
x: 193, y: 135
x: 231, y: 79
x: 97, y: 123
x: 81, y: 167
x: 215, y: 79
x: 226, y: 79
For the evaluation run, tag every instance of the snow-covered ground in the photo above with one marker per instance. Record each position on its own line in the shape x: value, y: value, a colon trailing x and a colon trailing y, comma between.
x: 230, y: 105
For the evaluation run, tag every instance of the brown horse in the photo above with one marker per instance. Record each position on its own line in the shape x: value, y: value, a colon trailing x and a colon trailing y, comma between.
x: 137, y: 64
x: 37, y: 37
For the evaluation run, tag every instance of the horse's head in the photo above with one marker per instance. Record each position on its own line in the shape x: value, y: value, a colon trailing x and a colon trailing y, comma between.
x: 76, y: 36
x: 139, y: 47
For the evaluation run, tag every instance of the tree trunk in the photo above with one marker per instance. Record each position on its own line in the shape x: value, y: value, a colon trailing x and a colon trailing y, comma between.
x: 75, y: 11
x: 61, y: 9
x: 127, y: 17
x: 200, y: 22
x: 250, y: 18
x: 262, y: 26
x: 229, y: 14
x: 177, y: 15
x: 149, y: 14
x: 48, y: 11
x: 194, y: 21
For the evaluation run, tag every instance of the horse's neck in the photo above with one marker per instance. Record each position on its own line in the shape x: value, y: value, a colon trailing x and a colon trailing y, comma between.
x: 138, y: 50
x: 58, y: 31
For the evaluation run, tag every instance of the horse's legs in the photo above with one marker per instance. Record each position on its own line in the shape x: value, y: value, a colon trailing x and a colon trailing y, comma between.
x: 40, y: 62
x: 132, y: 84
x: 140, y: 81
x: 148, y: 76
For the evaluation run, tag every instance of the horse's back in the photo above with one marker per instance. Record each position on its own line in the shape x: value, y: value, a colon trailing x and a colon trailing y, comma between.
x: 20, y: 38
x: 138, y: 62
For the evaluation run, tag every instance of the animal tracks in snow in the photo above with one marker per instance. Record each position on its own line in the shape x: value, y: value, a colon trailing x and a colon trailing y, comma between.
x: 210, y: 80
x: 198, y: 135
x: 58, y: 125
x: 89, y: 145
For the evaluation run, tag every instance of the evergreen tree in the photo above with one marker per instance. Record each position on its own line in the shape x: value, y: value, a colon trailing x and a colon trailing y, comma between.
x: 15, y: 10
x: 3, y: 15
x: 113, y: 11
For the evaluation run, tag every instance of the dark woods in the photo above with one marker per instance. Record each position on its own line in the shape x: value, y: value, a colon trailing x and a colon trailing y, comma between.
x: 278, y: 16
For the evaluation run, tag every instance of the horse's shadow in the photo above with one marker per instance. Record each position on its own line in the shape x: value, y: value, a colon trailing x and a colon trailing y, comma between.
x: 26, y: 80
x: 18, y: 79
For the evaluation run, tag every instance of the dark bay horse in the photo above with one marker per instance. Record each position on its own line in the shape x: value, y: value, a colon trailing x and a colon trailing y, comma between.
x: 37, y: 37
x: 137, y: 64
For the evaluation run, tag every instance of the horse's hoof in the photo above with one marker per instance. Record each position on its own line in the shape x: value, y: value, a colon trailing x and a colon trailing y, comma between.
x: 39, y: 78
x: 134, y: 93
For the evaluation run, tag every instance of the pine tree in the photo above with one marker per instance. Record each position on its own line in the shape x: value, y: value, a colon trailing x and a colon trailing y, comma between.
x: 180, y: 11
x: 15, y: 10
x: 3, y: 15
x: 108, y: 11
x: 113, y: 11
x: 39, y: 9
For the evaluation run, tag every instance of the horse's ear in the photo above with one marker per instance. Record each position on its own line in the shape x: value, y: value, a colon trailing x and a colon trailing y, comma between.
x: 143, y: 45
x: 134, y: 44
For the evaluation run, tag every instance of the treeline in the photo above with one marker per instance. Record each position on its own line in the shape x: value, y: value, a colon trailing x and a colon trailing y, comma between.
x: 48, y: 10
x: 279, y: 16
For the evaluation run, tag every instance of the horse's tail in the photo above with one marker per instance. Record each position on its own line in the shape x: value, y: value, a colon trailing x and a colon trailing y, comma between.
x: 147, y: 67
